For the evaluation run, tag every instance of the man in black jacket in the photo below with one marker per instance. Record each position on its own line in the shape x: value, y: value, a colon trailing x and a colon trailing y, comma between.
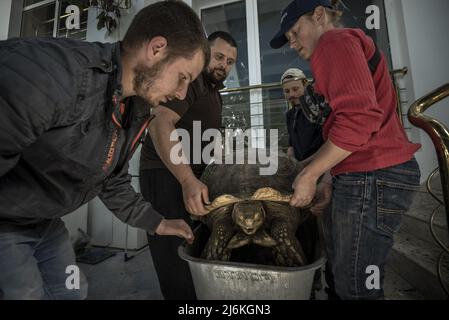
x: 201, y: 110
x: 67, y: 132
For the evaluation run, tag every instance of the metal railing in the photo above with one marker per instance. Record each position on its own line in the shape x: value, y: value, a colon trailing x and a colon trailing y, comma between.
x: 439, y: 135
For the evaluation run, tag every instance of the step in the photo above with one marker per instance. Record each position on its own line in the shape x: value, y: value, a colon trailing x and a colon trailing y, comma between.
x: 416, y: 220
x: 415, y: 261
x: 397, y: 288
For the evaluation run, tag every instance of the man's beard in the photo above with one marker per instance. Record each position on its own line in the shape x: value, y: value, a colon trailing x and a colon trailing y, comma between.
x: 214, y: 78
x: 145, y: 77
x: 294, y: 102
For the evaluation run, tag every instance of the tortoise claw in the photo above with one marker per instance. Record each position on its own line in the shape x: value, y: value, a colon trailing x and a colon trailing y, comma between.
x: 239, y: 240
x: 263, y: 239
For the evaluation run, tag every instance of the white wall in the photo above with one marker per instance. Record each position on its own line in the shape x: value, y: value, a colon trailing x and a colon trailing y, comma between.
x: 5, y: 13
x: 76, y: 220
x: 125, y: 20
x: 419, y: 40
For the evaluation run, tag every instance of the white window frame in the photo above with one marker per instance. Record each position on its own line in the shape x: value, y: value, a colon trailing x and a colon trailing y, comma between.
x: 44, y: 3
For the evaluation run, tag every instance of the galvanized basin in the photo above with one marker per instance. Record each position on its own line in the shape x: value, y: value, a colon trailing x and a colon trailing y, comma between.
x: 245, y: 281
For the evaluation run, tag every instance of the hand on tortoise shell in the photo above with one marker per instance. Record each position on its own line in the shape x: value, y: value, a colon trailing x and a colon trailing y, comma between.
x: 305, y: 189
x: 196, y: 195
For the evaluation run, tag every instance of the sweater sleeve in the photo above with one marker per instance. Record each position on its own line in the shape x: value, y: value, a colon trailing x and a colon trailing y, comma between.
x: 343, y: 76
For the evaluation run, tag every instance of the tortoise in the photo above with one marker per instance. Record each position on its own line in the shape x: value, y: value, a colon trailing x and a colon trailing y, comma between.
x: 249, y: 208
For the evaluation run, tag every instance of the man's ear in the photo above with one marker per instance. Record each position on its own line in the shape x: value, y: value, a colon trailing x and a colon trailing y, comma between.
x: 156, y: 47
x: 319, y: 15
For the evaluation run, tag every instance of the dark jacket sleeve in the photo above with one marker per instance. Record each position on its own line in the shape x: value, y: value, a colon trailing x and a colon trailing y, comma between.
x: 129, y: 206
x: 28, y: 107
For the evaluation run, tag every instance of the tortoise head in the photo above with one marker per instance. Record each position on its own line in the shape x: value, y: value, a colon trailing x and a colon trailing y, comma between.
x: 249, y: 215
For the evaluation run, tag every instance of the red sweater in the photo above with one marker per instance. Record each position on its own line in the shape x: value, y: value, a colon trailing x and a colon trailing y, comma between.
x: 363, y: 119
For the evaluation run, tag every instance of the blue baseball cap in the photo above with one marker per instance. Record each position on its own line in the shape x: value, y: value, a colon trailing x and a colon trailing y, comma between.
x: 291, y: 14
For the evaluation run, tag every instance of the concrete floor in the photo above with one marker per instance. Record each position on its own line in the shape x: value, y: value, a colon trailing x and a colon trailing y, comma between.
x: 115, y: 279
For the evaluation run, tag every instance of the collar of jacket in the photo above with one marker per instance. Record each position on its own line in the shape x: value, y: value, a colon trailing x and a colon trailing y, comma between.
x: 116, y: 86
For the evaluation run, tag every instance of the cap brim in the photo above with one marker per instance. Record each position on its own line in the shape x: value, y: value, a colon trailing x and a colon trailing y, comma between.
x: 278, y: 41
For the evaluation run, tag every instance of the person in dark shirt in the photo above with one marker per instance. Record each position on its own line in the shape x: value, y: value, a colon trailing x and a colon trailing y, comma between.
x: 161, y: 176
x: 304, y: 138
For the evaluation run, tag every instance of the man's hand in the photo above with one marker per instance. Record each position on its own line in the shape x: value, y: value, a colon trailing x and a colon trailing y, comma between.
x: 305, y: 189
x: 195, y: 194
x: 324, y: 196
x: 290, y: 152
x: 175, y: 227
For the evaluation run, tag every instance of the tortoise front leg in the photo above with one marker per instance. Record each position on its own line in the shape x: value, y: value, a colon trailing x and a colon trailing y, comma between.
x: 222, y: 230
x: 288, y: 252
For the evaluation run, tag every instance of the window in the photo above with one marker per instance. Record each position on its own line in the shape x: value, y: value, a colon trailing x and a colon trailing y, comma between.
x: 231, y: 17
x: 48, y: 18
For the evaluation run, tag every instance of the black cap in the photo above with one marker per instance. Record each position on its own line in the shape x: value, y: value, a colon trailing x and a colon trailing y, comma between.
x: 291, y: 14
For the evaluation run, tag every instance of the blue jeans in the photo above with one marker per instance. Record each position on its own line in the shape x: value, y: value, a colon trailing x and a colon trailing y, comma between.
x: 366, y: 211
x: 33, y: 262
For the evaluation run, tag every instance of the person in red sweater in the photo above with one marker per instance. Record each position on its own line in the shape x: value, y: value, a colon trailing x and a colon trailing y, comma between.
x: 374, y: 172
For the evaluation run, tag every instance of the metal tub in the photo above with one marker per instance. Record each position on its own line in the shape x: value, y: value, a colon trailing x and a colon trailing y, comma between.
x: 216, y: 280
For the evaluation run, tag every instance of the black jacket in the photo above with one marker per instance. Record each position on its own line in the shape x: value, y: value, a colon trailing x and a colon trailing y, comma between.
x: 306, y: 138
x: 64, y: 139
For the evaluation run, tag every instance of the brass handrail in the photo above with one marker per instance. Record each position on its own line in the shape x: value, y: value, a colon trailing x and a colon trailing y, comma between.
x: 438, y: 132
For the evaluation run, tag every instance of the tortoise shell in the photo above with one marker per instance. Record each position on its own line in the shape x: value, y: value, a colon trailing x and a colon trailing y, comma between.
x: 231, y: 183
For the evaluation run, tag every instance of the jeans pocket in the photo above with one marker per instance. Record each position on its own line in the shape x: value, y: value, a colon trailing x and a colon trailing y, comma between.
x: 393, y: 199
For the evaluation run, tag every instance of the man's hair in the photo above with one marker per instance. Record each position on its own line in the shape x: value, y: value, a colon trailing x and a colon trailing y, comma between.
x: 173, y: 20
x: 224, y: 36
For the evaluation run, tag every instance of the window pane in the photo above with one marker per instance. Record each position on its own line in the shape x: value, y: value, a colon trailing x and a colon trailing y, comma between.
x: 38, y: 22
x: 232, y: 19
x: 273, y: 64
x: 354, y: 16
x: 275, y: 61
